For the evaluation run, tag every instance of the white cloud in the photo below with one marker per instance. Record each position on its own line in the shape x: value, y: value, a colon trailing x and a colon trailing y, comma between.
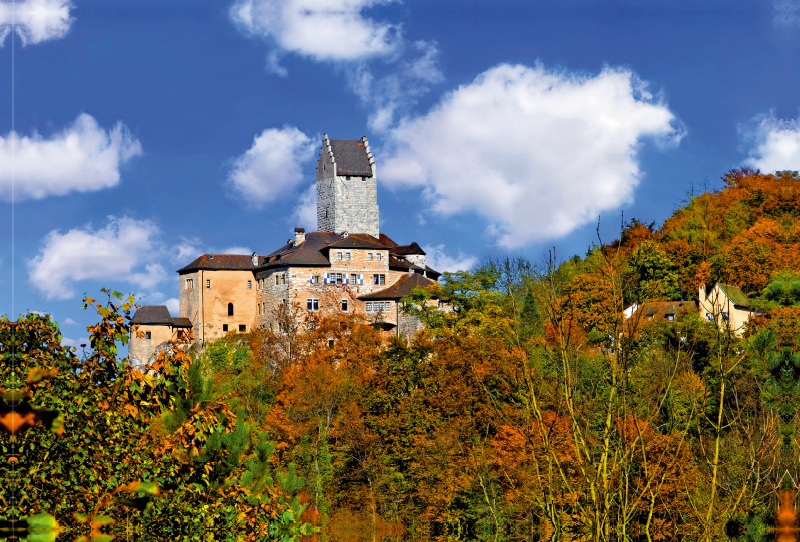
x: 123, y: 250
x: 396, y: 92
x: 436, y: 258
x: 76, y: 343
x: 185, y: 252
x: 537, y: 152
x: 81, y: 158
x: 173, y: 304
x: 324, y: 30
x: 35, y: 21
x: 775, y: 143
x: 69, y: 322
x: 304, y: 214
x: 272, y: 167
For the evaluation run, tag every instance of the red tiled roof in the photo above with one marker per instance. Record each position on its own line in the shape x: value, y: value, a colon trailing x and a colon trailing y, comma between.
x: 401, y: 288
x: 413, y: 248
x: 358, y: 240
x: 236, y: 262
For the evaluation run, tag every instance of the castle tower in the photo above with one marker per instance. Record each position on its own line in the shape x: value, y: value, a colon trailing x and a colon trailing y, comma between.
x: 347, y: 191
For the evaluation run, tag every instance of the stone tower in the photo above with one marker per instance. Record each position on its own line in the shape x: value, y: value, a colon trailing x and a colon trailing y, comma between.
x: 347, y: 191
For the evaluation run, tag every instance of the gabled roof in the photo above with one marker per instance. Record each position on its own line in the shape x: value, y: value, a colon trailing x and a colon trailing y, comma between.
x: 386, y: 240
x: 234, y: 262
x: 307, y: 253
x: 358, y: 240
x: 659, y: 310
x: 401, y: 288
x: 413, y: 248
x: 158, y: 315
x: 351, y: 158
x: 736, y: 296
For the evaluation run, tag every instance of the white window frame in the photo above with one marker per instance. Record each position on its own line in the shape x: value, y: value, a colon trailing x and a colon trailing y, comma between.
x: 312, y: 304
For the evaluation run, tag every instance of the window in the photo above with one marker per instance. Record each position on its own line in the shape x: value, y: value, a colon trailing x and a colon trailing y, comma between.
x: 249, y: 284
x: 259, y: 309
x: 353, y: 278
x: 242, y: 327
x: 369, y: 256
x: 312, y: 304
x: 344, y: 305
x: 330, y: 343
x: 338, y: 279
x: 709, y: 317
x: 277, y: 280
x: 670, y: 317
x: 347, y: 177
x: 725, y: 316
x: 208, y: 284
x: 338, y: 255
x: 230, y: 309
x: 378, y: 279
x: 347, y: 256
x: 369, y: 307
x: 224, y: 327
x: 189, y: 284
x: 147, y: 335
x: 314, y: 279
x: 378, y: 256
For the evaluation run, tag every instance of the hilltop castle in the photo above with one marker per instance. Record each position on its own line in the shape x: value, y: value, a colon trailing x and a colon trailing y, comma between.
x: 346, y: 266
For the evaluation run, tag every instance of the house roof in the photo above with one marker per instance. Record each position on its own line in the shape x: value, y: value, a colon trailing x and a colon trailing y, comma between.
x: 655, y: 310
x: 413, y: 248
x: 158, y: 315
x: 386, y: 240
x: 351, y: 157
x: 401, y: 288
x: 358, y: 240
x: 736, y: 296
x: 234, y: 262
x: 307, y: 253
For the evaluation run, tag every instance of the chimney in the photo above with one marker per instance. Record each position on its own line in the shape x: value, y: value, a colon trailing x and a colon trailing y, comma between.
x: 299, y: 236
x: 255, y: 259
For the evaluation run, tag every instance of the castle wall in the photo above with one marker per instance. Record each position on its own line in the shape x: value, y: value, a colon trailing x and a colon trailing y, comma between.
x: 207, y: 307
x: 344, y: 204
x: 142, y: 348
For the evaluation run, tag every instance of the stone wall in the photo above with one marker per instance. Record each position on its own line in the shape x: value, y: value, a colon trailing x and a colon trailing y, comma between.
x: 141, y: 349
x: 346, y: 204
x: 207, y: 307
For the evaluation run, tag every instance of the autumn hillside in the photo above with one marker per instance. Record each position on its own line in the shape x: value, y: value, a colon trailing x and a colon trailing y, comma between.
x: 531, y: 407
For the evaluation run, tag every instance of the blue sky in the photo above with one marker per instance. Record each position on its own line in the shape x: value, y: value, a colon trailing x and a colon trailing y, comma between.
x: 147, y: 133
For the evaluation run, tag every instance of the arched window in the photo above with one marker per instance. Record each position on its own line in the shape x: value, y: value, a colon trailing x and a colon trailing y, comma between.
x: 230, y: 309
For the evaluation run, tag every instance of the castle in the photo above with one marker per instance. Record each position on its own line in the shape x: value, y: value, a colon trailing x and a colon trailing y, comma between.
x: 347, y: 266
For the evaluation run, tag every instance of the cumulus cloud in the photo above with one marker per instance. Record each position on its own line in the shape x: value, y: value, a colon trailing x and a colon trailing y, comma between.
x: 324, y: 30
x: 123, y: 250
x: 396, y: 92
x: 185, y: 251
x: 775, y: 143
x: 536, y: 152
x: 304, y: 214
x: 69, y: 322
x: 272, y: 167
x: 438, y: 259
x: 83, y: 157
x: 35, y: 21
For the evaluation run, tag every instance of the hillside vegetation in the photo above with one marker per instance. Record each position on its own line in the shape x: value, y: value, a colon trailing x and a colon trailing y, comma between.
x: 531, y: 410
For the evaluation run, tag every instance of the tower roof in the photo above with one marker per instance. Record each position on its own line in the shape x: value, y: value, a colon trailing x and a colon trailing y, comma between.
x: 351, y: 157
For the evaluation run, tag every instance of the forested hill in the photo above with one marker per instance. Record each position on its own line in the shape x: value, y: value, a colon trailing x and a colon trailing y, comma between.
x: 745, y: 235
x: 529, y: 408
